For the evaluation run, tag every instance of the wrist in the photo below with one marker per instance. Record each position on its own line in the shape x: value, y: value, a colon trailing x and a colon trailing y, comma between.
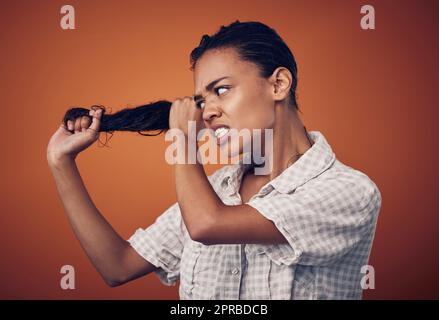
x: 55, y: 160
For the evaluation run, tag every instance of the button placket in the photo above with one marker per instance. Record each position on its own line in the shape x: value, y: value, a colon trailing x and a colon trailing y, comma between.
x: 195, y: 252
x: 235, y: 271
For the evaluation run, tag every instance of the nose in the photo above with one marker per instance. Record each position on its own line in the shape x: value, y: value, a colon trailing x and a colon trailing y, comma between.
x: 211, y: 111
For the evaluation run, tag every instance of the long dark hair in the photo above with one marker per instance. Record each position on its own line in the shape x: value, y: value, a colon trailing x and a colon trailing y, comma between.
x: 254, y: 41
x: 152, y: 117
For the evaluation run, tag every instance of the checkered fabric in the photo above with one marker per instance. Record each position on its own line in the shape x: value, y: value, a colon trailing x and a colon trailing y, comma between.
x: 326, y: 210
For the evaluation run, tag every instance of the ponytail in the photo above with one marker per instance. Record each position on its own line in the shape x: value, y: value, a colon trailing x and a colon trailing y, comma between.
x: 149, y: 118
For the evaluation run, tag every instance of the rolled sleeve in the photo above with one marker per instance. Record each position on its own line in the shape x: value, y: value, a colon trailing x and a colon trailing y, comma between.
x: 161, y: 244
x: 321, y: 222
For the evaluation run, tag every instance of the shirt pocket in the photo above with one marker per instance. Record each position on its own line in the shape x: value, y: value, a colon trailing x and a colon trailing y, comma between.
x: 199, y: 269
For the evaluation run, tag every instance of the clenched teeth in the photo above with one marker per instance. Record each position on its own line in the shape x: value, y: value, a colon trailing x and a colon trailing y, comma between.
x: 221, y: 132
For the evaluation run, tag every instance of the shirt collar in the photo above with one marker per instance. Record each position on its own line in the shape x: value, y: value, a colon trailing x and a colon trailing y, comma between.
x: 312, y: 163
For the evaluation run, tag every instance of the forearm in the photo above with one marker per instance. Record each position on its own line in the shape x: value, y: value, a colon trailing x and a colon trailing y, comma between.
x: 100, y: 241
x: 199, y: 204
x: 210, y: 221
x: 207, y: 218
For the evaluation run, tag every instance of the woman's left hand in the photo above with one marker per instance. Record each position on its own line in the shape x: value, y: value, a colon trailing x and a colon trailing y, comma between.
x: 182, y: 111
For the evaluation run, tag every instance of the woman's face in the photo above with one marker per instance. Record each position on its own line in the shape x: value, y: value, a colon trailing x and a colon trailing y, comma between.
x: 240, y: 100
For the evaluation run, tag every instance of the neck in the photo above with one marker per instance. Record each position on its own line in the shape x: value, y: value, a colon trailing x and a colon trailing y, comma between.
x: 290, y: 140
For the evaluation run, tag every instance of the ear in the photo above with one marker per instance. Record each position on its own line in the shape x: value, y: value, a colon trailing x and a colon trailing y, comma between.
x: 281, y: 81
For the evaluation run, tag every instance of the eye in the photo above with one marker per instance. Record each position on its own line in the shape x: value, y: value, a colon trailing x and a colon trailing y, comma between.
x: 200, y: 104
x: 217, y: 90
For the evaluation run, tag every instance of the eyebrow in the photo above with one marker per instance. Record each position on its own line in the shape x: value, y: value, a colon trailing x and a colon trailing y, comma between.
x: 209, y: 88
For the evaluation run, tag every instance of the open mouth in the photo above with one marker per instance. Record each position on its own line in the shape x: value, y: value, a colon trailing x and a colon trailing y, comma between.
x: 221, y: 132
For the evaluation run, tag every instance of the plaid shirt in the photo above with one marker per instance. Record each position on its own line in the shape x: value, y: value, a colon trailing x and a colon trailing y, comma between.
x: 326, y: 210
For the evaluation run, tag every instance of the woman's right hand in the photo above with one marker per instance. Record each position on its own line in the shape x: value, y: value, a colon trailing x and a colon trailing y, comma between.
x: 63, y: 143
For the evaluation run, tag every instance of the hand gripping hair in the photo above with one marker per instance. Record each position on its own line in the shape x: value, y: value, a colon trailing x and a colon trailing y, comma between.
x: 148, y: 120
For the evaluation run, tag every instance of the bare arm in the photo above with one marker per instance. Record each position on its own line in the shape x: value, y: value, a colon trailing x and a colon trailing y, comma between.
x: 210, y: 221
x: 207, y: 218
x: 112, y: 256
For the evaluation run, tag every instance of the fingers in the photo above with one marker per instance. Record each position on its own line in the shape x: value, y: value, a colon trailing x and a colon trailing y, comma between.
x: 96, y: 122
x: 70, y: 126
x: 82, y: 124
x: 188, y: 99
x: 64, y: 129
x: 77, y: 125
x: 185, y: 101
x: 85, y: 123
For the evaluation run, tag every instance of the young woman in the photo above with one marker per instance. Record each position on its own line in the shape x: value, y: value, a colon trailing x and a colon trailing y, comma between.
x: 302, y: 231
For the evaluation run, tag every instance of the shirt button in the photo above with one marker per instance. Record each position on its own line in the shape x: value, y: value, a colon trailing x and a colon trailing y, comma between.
x: 235, y: 271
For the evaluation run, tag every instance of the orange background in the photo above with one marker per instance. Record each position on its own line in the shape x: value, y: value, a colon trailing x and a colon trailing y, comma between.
x: 372, y: 93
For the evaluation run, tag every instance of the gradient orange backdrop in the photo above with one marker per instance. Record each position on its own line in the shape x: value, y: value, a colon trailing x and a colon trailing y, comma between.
x: 373, y: 94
